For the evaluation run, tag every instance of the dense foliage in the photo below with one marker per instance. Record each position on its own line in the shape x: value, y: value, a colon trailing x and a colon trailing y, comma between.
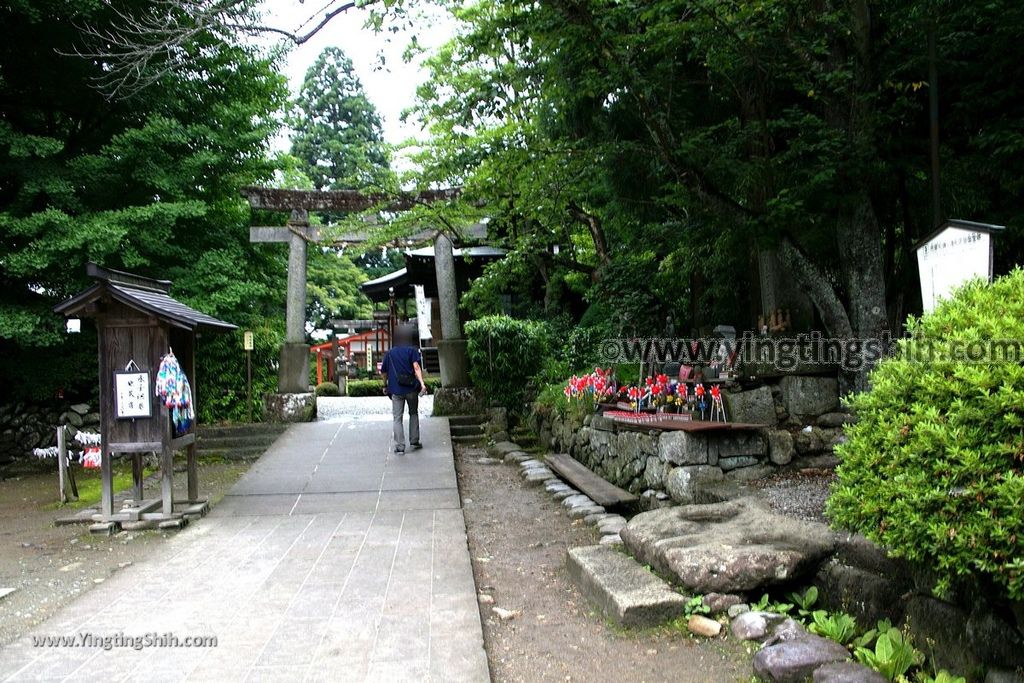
x: 682, y: 153
x: 934, y: 468
x: 504, y: 355
x: 147, y: 183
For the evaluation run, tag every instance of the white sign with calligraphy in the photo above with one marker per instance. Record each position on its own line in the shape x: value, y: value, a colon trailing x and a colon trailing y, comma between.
x: 951, y: 258
x: 132, y: 397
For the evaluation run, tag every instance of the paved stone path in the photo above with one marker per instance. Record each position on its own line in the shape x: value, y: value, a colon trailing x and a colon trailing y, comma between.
x: 331, y: 559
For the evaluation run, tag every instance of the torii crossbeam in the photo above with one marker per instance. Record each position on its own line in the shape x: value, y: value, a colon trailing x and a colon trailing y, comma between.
x: 293, y: 373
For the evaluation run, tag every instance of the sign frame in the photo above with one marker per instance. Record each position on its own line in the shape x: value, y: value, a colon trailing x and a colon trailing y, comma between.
x: 122, y: 389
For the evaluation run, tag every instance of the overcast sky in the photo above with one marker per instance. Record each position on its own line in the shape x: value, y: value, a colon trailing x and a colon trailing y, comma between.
x: 391, y: 86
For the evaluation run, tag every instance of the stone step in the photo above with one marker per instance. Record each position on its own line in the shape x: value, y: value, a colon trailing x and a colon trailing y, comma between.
x: 471, y: 438
x: 237, y: 440
x: 467, y: 430
x: 466, y: 419
x: 217, y: 431
x: 244, y: 453
x: 624, y: 591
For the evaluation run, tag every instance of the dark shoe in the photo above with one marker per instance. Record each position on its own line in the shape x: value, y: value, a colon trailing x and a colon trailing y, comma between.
x: 399, y: 451
x: 417, y: 446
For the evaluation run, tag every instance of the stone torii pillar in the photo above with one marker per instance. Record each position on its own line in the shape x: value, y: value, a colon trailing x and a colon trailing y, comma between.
x: 293, y: 371
x: 451, y: 348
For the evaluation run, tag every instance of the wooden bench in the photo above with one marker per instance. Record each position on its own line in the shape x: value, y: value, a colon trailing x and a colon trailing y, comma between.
x: 600, y: 491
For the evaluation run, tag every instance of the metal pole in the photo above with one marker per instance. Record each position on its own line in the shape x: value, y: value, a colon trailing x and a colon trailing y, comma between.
x: 248, y: 382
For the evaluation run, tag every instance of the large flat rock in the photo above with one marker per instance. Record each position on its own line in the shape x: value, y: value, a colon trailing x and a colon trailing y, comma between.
x: 623, y: 590
x: 731, y: 547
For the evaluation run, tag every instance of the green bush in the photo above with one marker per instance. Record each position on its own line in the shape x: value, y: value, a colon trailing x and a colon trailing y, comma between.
x: 327, y: 389
x: 375, y: 387
x: 366, y: 387
x: 504, y: 355
x: 934, y: 468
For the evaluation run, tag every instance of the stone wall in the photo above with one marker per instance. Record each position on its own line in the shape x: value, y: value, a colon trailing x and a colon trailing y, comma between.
x: 803, y: 418
x: 25, y: 426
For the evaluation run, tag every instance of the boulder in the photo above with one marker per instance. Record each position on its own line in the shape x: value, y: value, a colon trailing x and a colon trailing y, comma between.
x: 833, y: 420
x: 731, y: 547
x: 736, y: 443
x: 682, y: 483
x: 994, y: 640
x: 935, y: 620
x: 847, y: 672
x: 754, y: 406
x: 794, y: 661
x: 780, y: 446
x: 80, y: 408
x: 753, y: 625
x: 809, y: 395
x: 684, y: 448
x: 737, y: 461
x: 502, y: 448
x: 809, y: 441
x: 720, y: 602
x: 654, y: 472
x: 751, y: 473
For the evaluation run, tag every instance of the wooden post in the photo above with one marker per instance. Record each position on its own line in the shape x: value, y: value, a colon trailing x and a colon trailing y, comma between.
x: 137, y: 476
x: 193, y: 474
x: 107, y: 477
x: 62, y: 463
x: 167, y: 465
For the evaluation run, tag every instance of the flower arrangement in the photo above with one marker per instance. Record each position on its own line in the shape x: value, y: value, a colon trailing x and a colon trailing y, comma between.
x: 591, y: 389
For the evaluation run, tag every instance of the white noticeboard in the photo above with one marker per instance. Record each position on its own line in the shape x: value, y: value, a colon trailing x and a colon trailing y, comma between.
x: 422, y: 312
x: 132, y: 397
x: 951, y: 258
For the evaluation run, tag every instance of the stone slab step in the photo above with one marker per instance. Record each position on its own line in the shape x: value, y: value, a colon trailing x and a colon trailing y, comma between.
x: 466, y: 419
x: 467, y: 430
x: 624, y: 591
x: 468, y: 438
x: 217, y: 431
x: 238, y: 453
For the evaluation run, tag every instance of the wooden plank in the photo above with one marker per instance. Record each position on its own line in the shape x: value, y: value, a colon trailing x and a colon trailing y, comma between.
x: 136, y: 447
x: 182, y: 441
x: 686, y: 426
x: 600, y: 491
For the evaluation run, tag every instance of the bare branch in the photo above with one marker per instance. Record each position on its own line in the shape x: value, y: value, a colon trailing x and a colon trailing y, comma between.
x: 139, y: 48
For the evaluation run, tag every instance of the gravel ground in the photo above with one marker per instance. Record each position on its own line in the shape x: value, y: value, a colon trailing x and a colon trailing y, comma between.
x: 518, y: 537
x: 49, y: 566
x: 799, y: 493
x: 338, y: 407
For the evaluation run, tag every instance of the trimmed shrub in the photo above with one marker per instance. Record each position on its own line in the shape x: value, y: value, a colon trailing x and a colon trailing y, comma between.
x: 934, y: 468
x: 504, y: 355
x: 366, y: 387
x: 327, y: 389
x: 375, y: 387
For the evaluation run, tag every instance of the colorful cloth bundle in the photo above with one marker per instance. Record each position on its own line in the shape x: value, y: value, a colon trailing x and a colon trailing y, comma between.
x: 173, y: 389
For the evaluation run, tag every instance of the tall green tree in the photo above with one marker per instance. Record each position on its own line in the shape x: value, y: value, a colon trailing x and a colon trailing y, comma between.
x: 147, y: 183
x: 665, y: 146
x: 336, y: 131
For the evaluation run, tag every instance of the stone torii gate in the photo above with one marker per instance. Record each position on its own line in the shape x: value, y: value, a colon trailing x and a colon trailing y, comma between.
x: 293, y: 374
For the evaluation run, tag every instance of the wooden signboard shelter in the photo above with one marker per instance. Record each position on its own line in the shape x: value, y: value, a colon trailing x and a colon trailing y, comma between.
x: 138, y: 323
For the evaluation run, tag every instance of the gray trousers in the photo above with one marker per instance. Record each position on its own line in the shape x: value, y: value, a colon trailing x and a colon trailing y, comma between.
x: 398, y: 402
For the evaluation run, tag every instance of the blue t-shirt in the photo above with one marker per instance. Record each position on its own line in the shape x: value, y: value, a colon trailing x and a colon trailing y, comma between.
x: 398, y: 361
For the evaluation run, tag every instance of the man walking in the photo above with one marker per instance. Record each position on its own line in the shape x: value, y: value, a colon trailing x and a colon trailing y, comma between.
x: 402, y: 369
